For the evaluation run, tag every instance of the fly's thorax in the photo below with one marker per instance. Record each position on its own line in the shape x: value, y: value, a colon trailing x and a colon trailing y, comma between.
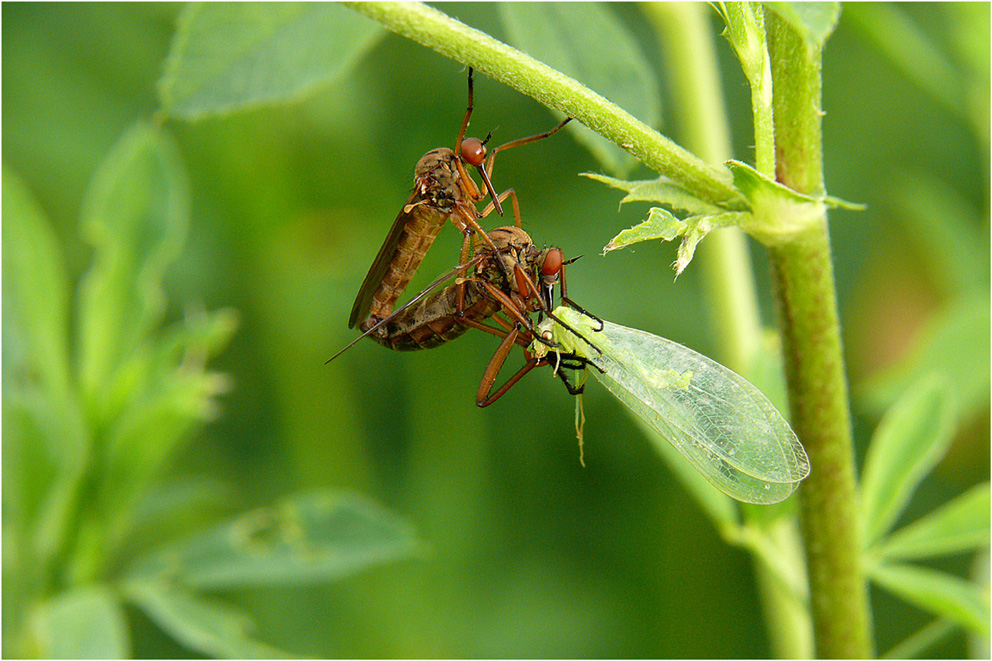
x: 510, y: 240
x: 436, y: 179
x: 514, y: 248
x: 489, y: 270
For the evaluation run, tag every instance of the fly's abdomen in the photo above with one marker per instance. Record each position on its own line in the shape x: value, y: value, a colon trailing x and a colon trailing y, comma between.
x: 437, y: 194
x: 433, y: 321
x: 422, y: 228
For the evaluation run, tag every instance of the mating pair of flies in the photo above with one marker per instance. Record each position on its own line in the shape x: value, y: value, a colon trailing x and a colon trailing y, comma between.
x: 507, y: 280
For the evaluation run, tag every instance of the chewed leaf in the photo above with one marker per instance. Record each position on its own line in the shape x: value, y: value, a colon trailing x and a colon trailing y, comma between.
x: 664, y: 226
x: 660, y: 225
x: 202, y: 624
x: 696, y: 228
x: 724, y: 426
x: 661, y: 191
x: 312, y: 536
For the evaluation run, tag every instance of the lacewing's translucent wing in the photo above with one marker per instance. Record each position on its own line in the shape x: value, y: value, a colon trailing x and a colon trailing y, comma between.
x: 724, y: 426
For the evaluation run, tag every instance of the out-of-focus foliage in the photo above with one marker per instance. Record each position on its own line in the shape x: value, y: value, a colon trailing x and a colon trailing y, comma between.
x: 532, y: 554
x: 88, y: 431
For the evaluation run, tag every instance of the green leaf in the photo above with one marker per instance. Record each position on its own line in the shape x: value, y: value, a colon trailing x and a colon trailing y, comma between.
x: 145, y: 437
x: 560, y: 35
x: 214, y: 629
x: 815, y: 21
x: 954, y: 344
x: 662, y: 191
x: 316, y: 536
x: 198, y: 337
x: 936, y: 592
x: 915, y: 646
x: 170, y: 392
x: 234, y: 56
x: 46, y: 452
x: 86, y: 623
x: 909, y: 441
x: 960, y: 525
x: 176, y: 506
x: 35, y: 287
x: 780, y: 213
x: 661, y: 224
x: 135, y: 216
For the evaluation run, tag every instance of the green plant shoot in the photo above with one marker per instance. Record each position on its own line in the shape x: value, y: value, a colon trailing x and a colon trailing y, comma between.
x: 721, y: 423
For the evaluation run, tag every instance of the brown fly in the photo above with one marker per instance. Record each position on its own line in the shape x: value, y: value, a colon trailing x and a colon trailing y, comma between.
x: 442, y: 190
x: 508, y: 283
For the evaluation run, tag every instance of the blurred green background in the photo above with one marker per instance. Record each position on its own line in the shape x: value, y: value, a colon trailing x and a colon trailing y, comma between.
x: 530, y: 553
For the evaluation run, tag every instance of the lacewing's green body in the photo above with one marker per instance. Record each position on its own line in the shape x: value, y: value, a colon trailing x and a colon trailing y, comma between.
x: 724, y: 426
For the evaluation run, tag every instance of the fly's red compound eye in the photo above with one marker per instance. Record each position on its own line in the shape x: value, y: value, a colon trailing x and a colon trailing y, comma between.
x: 473, y: 151
x: 552, y: 262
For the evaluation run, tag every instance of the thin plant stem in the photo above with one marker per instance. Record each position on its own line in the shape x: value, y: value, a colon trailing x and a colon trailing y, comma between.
x: 690, y: 63
x: 807, y: 309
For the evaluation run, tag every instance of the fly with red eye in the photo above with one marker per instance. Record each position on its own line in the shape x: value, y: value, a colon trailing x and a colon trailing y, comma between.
x: 438, y: 315
x: 443, y: 190
x: 535, y: 294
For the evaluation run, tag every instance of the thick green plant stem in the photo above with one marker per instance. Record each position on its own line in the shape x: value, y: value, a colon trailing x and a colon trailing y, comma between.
x: 805, y: 299
x: 507, y: 65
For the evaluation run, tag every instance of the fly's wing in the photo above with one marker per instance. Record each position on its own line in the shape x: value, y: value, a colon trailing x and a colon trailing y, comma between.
x: 409, y: 304
x: 363, y: 302
x: 715, y: 418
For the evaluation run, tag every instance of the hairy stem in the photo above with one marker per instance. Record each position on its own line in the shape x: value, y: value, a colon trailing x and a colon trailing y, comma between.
x: 507, y: 65
x: 807, y: 307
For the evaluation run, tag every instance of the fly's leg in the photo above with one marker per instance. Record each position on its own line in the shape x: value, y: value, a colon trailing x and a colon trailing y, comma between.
x: 484, y: 397
x: 464, y: 221
x: 575, y: 306
x: 512, y: 194
x: 498, y: 332
x: 522, y: 141
x: 460, y: 277
x: 511, y: 310
x: 468, y: 114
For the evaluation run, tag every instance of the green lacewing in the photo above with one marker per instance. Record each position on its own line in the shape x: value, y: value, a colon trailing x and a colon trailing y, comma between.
x: 722, y: 424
